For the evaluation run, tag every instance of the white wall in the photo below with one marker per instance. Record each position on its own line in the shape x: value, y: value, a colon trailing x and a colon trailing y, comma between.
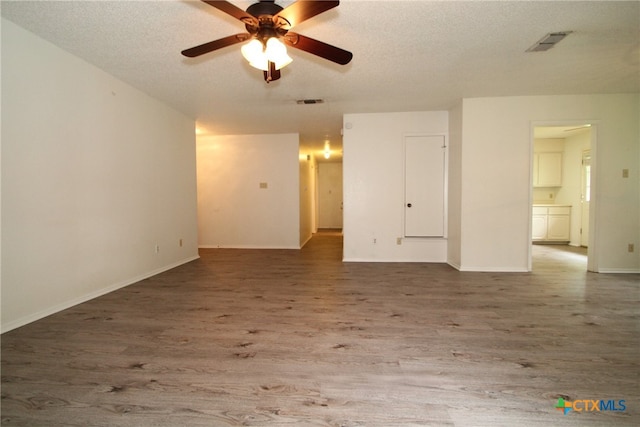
x: 455, y: 186
x: 233, y: 211
x: 95, y: 174
x: 373, y: 187
x: 496, y: 186
x: 308, y: 167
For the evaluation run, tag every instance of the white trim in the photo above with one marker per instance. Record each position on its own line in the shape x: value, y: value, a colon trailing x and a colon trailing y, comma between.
x: 75, y: 301
x: 619, y: 270
x: 454, y: 265
x: 500, y: 269
x: 246, y: 247
x: 394, y: 260
x: 306, y: 241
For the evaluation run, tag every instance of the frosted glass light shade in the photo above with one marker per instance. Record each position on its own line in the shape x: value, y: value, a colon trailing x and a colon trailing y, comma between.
x: 259, y: 55
x: 277, y: 53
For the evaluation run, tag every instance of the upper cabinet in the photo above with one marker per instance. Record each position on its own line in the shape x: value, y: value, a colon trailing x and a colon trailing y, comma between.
x: 547, y: 169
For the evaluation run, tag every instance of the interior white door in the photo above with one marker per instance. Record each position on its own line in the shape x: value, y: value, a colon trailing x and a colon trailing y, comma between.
x: 585, y: 198
x: 330, y: 195
x: 424, y: 186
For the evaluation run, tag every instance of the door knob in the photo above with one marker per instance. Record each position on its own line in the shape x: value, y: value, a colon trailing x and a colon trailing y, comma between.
x: 408, y: 205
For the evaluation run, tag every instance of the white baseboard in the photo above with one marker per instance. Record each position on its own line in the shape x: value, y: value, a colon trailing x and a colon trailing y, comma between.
x: 84, y: 298
x: 306, y: 241
x: 619, y: 270
x: 454, y: 265
x: 394, y: 260
x: 246, y: 247
x: 494, y: 269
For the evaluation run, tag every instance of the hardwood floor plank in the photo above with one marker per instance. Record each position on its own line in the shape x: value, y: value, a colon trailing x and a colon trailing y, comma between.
x: 298, y: 338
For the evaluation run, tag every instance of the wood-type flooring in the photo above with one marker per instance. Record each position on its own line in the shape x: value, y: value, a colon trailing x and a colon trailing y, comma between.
x: 299, y: 338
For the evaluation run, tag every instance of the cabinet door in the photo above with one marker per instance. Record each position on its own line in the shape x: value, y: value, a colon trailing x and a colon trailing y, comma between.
x: 549, y: 170
x: 558, y: 227
x: 539, y: 227
x: 424, y: 186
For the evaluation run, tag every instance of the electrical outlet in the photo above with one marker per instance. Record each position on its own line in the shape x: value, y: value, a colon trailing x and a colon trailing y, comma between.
x: 631, y: 247
x: 375, y: 240
x: 264, y: 185
x: 157, y: 248
x: 180, y: 242
x: 625, y: 173
x: 399, y: 241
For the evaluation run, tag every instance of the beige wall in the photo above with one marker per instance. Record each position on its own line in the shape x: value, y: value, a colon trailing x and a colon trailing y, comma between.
x: 95, y: 175
x: 373, y: 175
x: 308, y: 167
x: 496, y: 178
x: 233, y: 210
x: 455, y: 186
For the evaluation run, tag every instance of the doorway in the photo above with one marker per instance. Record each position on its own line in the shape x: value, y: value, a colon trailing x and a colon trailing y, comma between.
x: 561, y: 197
x: 330, y: 205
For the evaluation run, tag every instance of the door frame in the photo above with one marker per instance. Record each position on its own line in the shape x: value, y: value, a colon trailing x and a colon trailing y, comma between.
x: 586, y: 154
x: 592, y: 249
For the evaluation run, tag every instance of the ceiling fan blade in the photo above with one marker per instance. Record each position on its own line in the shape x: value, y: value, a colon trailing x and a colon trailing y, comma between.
x: 234, y: 11
x: 316, y: 47
x: 215, y: 45
x: 302, y: 10
x: 272, y: 74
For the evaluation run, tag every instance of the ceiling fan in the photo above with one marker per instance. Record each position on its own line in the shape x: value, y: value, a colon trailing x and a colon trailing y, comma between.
x: 268, y: 27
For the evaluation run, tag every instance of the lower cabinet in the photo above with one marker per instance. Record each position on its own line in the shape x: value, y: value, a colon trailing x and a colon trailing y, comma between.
x: 551, y: 224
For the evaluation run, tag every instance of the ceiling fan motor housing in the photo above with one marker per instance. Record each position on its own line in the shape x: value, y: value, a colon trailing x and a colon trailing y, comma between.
x: 264, y: 7
x: 264, y: 11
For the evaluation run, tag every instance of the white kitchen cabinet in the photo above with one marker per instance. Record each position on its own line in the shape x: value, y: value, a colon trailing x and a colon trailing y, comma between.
x: 539, y: 223
x: 551, y: 223
x: 547, y: 169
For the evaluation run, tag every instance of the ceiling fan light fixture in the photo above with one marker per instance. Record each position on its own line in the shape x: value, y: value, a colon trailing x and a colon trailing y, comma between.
x: 276, y: 52
x: 253, y: 51
x: 259, y: 55
x: 267, y: 24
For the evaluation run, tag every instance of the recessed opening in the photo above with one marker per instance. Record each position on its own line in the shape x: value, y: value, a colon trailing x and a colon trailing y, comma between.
x: 548, y: 41
x: 309, y: 101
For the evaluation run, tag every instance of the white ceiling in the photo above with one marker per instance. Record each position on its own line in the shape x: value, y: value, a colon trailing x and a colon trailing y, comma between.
x: 408, y: 56
x: 560, y: 132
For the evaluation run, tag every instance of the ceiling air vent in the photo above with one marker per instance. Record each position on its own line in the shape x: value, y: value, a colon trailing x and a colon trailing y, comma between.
x: 548, y: 41
x: 309, y: 101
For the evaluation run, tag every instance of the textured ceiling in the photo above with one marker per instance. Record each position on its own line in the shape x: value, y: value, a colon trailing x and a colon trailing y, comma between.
x: 408, y: 56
